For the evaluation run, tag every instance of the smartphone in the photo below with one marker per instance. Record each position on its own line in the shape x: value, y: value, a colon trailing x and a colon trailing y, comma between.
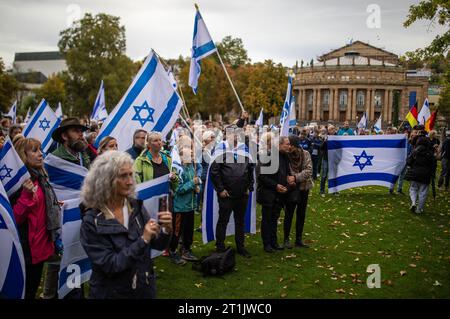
x: 163, y: 203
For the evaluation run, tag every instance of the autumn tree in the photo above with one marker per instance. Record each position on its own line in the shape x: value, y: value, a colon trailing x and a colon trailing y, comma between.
x: 94, y: 49
x: 53, y: 91
x: 8, y: 88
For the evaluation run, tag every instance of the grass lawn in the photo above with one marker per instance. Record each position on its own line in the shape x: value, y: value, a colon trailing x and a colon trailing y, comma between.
x: 347, y: 232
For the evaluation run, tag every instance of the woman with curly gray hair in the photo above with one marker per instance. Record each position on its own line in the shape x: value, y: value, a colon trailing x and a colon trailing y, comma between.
x: 117, y: 233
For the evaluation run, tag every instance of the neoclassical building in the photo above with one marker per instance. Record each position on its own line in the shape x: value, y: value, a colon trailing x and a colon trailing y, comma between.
x: 356, y: 78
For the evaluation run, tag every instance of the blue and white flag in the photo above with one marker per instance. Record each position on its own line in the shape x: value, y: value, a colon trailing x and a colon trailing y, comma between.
x: 172, y: 79
x: 27, y: 117
x: 292, y: 117
x: 42, y: 124
x: 285, y: 113
x: 260, y: 121
x: 65, y: 177
x: 150, y: 103
x: 99, y: 113
x: 150, y: 192
x: 210, y: 211
x: 377, y: 126
x: 424, y: 113
x: 12, y: 263
x: 363, y: 122
x: 58, y: 111
x: 176, y: 160
x: 202, y: 46
x: 363, y: 160
x: 13, y: 172
x: 75, y: 267
x: 12, y: 112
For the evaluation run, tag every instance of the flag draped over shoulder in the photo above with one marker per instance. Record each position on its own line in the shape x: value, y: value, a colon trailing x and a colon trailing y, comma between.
x: 210, y: 211
x: 13, y: 172
x: 74, y: 261
x: 150, y: 192
x: 202, y: 46
x: 99, y: 112
x: 65, y: 177
x: 42, y: 124
x: 150, y: 103
x: 12, y: 263
x: 363, y: 160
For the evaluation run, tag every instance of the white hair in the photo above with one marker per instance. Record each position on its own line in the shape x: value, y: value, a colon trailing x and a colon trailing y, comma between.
x: 153, y: 135
x: 99, y: 186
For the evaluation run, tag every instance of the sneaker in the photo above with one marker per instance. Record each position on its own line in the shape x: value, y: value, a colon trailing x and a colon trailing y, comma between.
x: 419, y: 212
x: 176, y: 259
x: 189, y: 256
x: 244, y: 253
x: 287, y: 244
x: 301, y: 244
x: 268, y: 249
x: 412, y: 208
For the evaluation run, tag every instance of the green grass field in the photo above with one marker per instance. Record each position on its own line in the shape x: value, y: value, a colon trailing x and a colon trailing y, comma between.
x: 347, y: 232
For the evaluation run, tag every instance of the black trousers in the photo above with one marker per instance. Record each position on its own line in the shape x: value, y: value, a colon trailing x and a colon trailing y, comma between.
x: 269, y: 224
x: 33, y: 279
x: 226, y: 206
x: 300, y: 208
x: 183, y: 226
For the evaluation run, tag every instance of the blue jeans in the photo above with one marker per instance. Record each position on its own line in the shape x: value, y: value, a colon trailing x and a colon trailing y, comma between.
x: 323, y: 175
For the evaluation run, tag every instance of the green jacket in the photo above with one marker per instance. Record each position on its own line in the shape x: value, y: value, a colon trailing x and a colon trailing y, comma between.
x: 63, y: 153
x: 143, y: 168
x: 184, y: 197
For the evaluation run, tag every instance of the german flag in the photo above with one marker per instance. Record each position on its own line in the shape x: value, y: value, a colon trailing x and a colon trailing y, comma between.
x: 412, y: 115
x: 429, y: 124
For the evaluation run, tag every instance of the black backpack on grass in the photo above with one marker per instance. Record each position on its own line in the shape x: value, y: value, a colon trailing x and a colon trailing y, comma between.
x: 216, y: 264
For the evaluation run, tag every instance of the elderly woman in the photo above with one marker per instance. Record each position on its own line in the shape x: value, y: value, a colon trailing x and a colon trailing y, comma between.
x: 154, y: 162
x: 37, y: 214
x: 301, y: 166
x: 117, y: 233
x: 109, y: 143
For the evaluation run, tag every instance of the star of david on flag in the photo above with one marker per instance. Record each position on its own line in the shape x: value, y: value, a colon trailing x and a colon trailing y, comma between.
x: 147, y: 115
x: 44, y: 124
x: 367, y: 161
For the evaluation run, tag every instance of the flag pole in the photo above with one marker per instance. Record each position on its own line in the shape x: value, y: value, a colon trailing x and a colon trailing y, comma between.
x: 226, y: 72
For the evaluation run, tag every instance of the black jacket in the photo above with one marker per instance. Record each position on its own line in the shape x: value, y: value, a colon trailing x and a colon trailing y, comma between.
x: 267, y: 183
x: 121, y: 263
x: 233, y: 174
x: 421, y: 164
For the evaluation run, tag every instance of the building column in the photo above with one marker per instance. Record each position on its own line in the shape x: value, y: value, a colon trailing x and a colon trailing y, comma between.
x: 304, y: 110
x: 348, y: 110
x: 319, y: 107
x: 298, y: 106
x: 385, y: 108
x: 389, y: 108
x: 336, y: 105
x: 372, y: 105
x: 353, y: 116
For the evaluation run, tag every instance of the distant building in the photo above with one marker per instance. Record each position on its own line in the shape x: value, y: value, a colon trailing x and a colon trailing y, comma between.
x: 353, y: 79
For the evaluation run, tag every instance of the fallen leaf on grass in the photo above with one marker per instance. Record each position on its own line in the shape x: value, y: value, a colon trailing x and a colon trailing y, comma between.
x: 387, y: 282
x: 261, y: 282
x: 281, y: 279
x: 283, y: 295
x: 199, y: 285
x: 412, y: 265
x: 402, y: 272
x: 345, y: 235
x: 437, y: 283
x: 340, y: 291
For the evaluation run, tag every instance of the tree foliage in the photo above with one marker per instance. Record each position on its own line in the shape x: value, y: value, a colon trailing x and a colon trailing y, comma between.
x: 53, y: 90
x: 94, y: 49
x: 233, y: 52
x: 8, y: 88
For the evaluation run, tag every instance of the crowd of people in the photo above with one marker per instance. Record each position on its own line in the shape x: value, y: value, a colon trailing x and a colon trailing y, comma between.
x: 117, y: 232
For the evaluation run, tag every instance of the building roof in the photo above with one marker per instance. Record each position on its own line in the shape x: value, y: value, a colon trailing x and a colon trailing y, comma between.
x: 359, y: 60
x: 38, y: 56
x: 326, y: 55
x: 31, y: 77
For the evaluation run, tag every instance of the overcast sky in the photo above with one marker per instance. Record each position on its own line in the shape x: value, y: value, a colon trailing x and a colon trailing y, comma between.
x: 282, y: 30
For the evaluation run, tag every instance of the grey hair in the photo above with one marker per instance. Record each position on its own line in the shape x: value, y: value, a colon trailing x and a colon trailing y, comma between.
x: 152, y: 135
x: 99, y: 184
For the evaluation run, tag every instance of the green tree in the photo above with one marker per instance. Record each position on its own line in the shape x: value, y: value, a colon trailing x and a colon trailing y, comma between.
x: 8, y: 88
x: 233, y: 52
x: 94, y: 48
x: 53, y: 91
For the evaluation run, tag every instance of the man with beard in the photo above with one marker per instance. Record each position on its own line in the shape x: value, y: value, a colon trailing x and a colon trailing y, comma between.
x: 72, y: 144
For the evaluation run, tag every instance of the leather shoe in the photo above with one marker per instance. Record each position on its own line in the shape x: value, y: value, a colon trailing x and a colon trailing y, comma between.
x: 277, y: 247
x: 244, y: 253
x: 301, y: 244
x: 268, y: 249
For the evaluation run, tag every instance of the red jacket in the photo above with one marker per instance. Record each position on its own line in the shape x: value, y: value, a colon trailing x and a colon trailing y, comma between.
x: 31, y: 208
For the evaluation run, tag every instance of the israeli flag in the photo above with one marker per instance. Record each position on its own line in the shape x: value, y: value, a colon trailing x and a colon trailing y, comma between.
x: 12, y: 262
x: 365, y: 160
x: 13, y: 172
x: 172, y: 79
x: 42, y: 124
x: 285, y: 113
x: 58, y: 111
x: 65, y: 177
x: 99, y: 113
x: 377, y: 126
x: 292, y: 117
x: 75, y: 268
x: 151, y: 103
x: 176, y: 160
x: 12, y: 112
x: 424, y: 113
x: 210, y: 211
x: 202, y: 46
x: 150, y: 192
x: 363, y: 121
x: 259, y: 122
x: 27, y: 117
